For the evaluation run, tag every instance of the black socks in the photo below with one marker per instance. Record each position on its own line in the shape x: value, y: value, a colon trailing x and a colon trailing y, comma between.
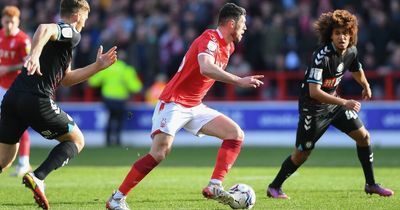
x: 366, y: 158
x: 287, y: 169
x: 58, y: 157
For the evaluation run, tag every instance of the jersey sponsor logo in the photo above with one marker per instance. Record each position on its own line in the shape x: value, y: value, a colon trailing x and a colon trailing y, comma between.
x: 315, y: 74
x: 66, y: 32
x: 351, y: 114
x: 329, y: 83
x: 7, y: 54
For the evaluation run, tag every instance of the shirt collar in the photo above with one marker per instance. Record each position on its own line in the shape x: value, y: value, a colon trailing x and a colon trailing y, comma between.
x: 221, y: 37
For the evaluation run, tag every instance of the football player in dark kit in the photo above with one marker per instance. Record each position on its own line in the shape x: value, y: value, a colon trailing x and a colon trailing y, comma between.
x: 319, y: 105
x: 28, y: 102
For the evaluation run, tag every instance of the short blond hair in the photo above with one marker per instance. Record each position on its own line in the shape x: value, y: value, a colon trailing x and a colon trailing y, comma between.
x: 11, y: 11
x: 70, y: 7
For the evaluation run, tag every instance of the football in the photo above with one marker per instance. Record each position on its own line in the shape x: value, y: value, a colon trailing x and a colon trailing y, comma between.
x: 244, y: 196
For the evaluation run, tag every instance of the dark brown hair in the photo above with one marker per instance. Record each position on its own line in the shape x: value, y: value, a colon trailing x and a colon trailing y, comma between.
x: 230, y: 11
x: 337, y: 19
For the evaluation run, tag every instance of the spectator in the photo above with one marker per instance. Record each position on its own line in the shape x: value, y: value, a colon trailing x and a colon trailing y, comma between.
x: 116, y: 83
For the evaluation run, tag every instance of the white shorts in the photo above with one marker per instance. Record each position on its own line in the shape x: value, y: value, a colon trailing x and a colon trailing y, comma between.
x: 171, y: 117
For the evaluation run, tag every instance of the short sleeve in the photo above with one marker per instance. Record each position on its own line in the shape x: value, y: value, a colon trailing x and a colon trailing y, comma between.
x: 66, y: 33
x: 355, y: 65
x: 207, y: 45
x: 314, y: 73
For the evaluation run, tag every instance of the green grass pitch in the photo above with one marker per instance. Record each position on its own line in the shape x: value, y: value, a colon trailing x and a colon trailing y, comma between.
x: 331, y: 179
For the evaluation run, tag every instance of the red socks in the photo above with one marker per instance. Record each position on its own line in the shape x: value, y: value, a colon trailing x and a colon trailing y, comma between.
x: 138, y: 171
x: 24, y: 144
x: 227, y: 155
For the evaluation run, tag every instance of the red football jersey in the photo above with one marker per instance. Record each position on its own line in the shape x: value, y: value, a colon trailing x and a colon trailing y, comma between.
x: 13, y: 50
x: 188, y: 86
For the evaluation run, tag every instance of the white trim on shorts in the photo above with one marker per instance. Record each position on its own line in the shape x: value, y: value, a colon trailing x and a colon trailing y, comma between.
x: 170, y: 117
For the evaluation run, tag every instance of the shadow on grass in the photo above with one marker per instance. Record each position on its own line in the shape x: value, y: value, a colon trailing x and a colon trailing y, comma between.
x: 205, y: 156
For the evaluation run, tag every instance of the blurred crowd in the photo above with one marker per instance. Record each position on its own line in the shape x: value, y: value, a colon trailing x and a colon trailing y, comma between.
x: 155, y: 34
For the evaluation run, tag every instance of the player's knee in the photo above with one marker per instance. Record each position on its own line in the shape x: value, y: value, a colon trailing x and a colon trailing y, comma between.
x: 79, y: 141
x: 160, y: 155
x: 236, y: 134
x: 364, y: 140
x: 80, y: 144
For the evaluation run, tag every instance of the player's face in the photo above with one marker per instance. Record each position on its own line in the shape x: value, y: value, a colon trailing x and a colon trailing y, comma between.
x: 10, y: 24
x: 240, y: 28
x: 340, y: 38
x: 82, y: 17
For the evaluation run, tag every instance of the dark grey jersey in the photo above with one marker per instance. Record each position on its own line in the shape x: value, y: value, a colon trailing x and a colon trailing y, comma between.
x: 55, y: 58
x: 327, y: 69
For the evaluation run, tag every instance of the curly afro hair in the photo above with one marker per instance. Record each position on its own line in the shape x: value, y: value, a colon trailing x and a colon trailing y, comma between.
x: 336, y: 19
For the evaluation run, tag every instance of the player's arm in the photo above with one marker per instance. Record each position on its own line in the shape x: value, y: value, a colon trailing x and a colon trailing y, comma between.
x: 43, y: 34
x: 211, y: 70
x: 359, y: 76
x: 317, y: 93
x: 103, y: 61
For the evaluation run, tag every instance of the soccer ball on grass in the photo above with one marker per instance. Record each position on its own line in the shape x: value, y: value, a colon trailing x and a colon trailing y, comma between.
x: 244, y: 196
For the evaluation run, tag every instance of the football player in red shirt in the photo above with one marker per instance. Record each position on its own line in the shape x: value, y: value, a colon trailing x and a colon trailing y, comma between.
x: 14, y: 47
x: 180, y: 106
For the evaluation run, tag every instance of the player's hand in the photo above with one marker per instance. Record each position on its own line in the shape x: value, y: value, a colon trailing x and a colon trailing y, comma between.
x: 366, y: 93
x: 251, y: 81
x: 353, y: 105
x: 32, y: 65
x: 107, y: 59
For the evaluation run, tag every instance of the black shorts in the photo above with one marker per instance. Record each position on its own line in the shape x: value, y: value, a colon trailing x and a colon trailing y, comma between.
x: 311, y: 128
x: 19, y: 110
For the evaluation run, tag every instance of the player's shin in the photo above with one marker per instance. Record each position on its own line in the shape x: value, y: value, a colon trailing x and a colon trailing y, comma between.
x: 287, y: 169
x: 59, y: 156
x: 138, y: 171
x: 227, y: 154
x: 366, y: 158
